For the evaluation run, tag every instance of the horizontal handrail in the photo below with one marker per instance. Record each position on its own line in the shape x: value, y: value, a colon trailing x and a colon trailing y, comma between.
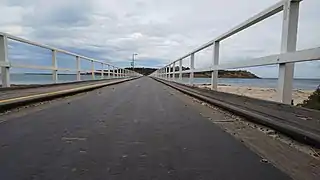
x: 50, y: 48
x: 292, y: 57
x: 250, y: 22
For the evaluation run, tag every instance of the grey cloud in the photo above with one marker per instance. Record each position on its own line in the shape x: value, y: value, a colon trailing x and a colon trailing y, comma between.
x: 67, y: 14
x: 16, y: 2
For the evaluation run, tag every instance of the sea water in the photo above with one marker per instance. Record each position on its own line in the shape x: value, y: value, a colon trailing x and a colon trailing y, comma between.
x: 306, y: 84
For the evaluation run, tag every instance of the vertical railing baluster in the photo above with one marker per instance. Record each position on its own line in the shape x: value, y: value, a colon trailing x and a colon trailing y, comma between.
x: 180, y: 70
x: 102, y: 71
x: 54, y: 67
x: 191, y: 77
x: 215, y: 63
x: 5, y: 71
x: 165, y: 72
x: 113, y: 72
x: 174, y: 71
x: 169, y: 67
x: 92, y: 70
x: 170, y: 71
x: 288, y: 44
x: 78, y: 68
x: 108, y: 71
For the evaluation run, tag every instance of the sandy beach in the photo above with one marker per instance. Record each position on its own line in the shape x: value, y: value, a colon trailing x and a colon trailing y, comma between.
x: 261, y: 93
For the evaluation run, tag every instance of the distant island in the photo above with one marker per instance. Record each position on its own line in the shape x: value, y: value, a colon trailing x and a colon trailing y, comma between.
x: 228, y: 74
x: 221, y: 73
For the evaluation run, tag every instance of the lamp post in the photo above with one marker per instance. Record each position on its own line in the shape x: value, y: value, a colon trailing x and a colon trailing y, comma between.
x: 132, y: 63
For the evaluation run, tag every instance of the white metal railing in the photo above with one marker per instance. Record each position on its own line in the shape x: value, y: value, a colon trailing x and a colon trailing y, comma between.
x: 107, y: 69
x: 285, y: 59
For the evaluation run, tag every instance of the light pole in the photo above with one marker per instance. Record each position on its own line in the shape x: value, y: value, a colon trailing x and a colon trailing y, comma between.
x: 132, y: 63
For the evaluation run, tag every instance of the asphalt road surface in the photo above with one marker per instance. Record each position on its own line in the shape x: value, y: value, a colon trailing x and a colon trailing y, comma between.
x: 134, y: 130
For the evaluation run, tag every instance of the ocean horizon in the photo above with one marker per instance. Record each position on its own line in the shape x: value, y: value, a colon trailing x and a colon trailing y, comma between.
x: 298, y: 83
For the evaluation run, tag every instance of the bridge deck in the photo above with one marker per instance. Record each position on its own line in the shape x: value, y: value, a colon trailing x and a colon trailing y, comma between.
x: 134, y: 130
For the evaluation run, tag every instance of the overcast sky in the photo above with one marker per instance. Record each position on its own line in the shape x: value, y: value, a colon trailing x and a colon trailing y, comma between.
x: 158, y: 30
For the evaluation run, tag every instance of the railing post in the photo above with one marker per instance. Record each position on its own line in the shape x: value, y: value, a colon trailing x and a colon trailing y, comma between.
x: 161, y: 73
x: 108, y: 71
x: 288, y: 44
x: 92, y: 70
x: 169, y: 71
x: 180, y: 70
x: 102, y: 71
x: 5, y: 71
x: 54, y: 65
x: 78, y: 68
x: 174, y: 71
x: 165, y: 72
x: 191, y: 78
x: 215, y: 62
